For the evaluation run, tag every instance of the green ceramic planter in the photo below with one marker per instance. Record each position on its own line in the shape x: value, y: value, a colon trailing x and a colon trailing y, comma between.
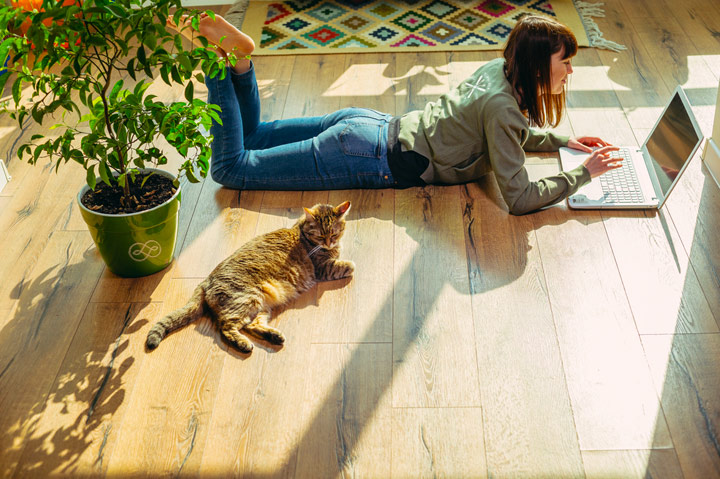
x: 136, y: 244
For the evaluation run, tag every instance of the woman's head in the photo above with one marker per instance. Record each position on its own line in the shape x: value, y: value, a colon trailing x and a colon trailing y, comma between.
x: 537, y: 57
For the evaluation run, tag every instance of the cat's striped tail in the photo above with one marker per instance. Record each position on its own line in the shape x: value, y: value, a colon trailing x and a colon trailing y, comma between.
x: 192, y: 311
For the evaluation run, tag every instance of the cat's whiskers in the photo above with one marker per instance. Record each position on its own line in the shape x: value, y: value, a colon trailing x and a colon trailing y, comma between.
x: 314, y: 250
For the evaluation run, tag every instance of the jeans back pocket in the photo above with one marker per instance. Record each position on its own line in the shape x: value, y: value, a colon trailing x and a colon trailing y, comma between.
x: 363, y: 138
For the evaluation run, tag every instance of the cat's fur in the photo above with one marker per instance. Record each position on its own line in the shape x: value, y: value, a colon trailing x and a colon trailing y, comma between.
x: 268, y: 271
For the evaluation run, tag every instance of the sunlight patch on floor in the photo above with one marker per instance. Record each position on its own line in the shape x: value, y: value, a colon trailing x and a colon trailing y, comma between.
x: 585, y: 78
x: 432, y: 80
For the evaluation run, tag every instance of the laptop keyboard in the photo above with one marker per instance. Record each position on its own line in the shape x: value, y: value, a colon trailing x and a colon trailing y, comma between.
x: 621, y: 185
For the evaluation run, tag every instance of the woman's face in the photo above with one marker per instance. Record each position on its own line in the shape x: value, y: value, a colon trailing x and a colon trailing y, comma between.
x: 560, y: 69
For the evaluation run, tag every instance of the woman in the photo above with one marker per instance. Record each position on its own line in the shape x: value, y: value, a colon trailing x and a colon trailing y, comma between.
x: 482, y: 125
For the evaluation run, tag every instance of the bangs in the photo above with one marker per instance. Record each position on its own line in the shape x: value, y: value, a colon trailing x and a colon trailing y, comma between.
x: 567, y: 43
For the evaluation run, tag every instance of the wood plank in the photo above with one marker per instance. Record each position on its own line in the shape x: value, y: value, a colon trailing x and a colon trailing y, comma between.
x: 676, y: 58
x: 348, y: 400
x: 28, y: 223
x: 219, y: 226
x: 632, y: 464
x: 611, y: 393
x: 692, y: 207
x: 367, y: 81
x: 167, y: 419
x: 4, y: 202
x: 273, y: 75
x: 699, y: 19
x: 312, y: 77
x: 438, y: 442
x: 34, y: 340
x: 361, y: 309
x: 257, y: 424
x: 633, y: 76
x: 21, y: 171
x: 663, y: 291
x: 684, y: 368
x: 419, y: 79
x: 519, y: 361
x: 87, y: 402
x: 432, y: 319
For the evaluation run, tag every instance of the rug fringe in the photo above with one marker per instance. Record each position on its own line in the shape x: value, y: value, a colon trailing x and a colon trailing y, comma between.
x: 595, y: 36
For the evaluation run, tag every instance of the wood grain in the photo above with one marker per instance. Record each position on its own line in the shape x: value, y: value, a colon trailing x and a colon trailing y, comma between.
x: 612, y: 398
x: 179, y: 381
x: 632, y: 464
x: 349, y: 402
x: 438, y: 442
x: 519, y: 361
x: 86, y: 405
x: 434, y: 360
x: 37, y: 336
x: 685, y: 374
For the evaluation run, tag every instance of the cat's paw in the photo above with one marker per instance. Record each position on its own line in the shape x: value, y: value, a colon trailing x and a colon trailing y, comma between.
x: 275, y: 337
x: 344, y: 269
x: 244, y: 347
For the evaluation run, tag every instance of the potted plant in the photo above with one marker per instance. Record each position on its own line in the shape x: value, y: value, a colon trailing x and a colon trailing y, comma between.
x: 90, y: 64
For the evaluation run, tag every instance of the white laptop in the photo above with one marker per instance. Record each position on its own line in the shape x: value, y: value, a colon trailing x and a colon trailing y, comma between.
x: 649, y: 173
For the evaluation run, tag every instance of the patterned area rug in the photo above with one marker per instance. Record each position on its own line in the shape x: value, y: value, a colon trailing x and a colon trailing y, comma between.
x: 345, y: 26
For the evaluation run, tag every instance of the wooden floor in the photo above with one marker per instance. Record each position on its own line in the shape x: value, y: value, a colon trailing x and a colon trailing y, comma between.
x: 470, y: 343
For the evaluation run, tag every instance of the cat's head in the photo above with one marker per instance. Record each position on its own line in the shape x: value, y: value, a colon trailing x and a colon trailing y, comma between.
x: 324, y: 225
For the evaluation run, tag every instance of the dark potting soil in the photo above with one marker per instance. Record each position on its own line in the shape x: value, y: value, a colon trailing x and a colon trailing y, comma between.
x: 108, y: 199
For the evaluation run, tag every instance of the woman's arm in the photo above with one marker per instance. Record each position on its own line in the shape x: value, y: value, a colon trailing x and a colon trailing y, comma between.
x: 507, y: 158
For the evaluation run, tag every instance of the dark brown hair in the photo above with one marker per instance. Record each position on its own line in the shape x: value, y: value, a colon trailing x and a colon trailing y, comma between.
x: 531, y: 43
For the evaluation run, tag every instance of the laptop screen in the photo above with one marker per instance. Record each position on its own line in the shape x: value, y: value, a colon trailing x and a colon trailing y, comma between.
x: 672, y: 143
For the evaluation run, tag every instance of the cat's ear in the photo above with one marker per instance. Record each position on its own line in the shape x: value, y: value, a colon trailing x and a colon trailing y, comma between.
x: 342, y: 208
x: 309, y: 214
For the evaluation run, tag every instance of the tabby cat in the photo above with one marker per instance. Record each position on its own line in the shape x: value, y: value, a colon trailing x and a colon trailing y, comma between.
x: 268, y: 271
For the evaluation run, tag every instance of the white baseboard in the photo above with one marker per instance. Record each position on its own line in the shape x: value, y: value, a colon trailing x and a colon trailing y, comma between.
x: 711, y: 157
x: 4, y: 175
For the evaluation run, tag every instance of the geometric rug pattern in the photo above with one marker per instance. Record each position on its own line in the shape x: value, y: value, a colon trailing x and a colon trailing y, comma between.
x: 322, y: 26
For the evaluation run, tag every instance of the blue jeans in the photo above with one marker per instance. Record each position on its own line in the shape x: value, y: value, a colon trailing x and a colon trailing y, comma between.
x: 342, y: 150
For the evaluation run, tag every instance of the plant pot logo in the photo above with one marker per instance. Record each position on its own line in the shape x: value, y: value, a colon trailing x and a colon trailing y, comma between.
x: 143, y: 251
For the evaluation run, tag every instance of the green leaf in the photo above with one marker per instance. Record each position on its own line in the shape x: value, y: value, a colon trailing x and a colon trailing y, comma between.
x: 141, y: 55
x: 3, y: 79
x: 116, y: 89
x: 175, y: 74
x: 105, y: 173
x: 131, y: 68
x: 16, y: 91
x: 191, y: 174
x: 189, y: 91
x: 164, y: 75
x: 90, y: 177
x: 184, y: 62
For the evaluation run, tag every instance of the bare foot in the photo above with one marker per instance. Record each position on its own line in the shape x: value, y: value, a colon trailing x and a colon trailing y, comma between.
x: 218, y: 32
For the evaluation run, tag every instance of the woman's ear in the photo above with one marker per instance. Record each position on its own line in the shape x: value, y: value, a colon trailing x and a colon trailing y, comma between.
x: 342, y: 209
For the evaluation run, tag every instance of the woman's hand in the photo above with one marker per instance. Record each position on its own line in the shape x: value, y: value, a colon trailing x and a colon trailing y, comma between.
x: 599, y: 161
x: 586, y: 143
